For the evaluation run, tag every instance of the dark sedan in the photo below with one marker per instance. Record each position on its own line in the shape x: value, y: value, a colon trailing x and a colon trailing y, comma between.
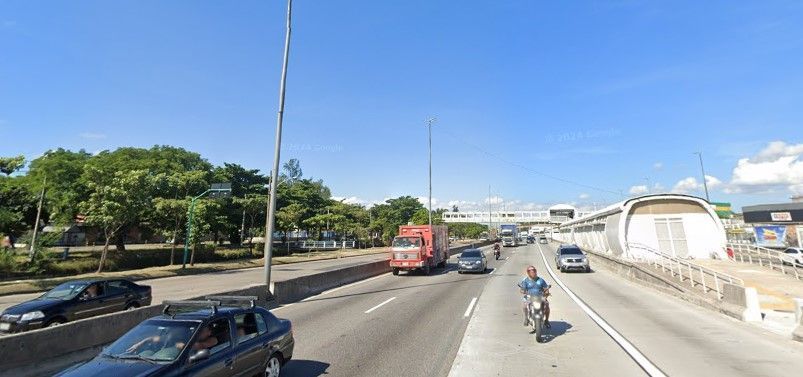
x: 217, y: 341
x: 472, y: 260
x: 74, y: 300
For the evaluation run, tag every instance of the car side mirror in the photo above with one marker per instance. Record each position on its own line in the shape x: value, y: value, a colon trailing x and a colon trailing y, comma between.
x: 200, y: 355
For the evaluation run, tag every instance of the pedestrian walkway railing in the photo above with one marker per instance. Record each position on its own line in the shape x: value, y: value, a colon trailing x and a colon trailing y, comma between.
x: 321, y: 245
x: 707, y: 279
x: 762, y: 256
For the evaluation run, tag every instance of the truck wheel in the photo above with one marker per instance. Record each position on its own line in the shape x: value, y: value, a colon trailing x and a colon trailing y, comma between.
x: 395, y: 271
x: 426, y: 270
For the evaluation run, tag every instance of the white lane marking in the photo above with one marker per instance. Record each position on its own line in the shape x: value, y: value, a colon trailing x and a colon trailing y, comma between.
x: 281, y: 307
x: 492, y: 271
x: 628, y: 347
x: 380, y: 305
x: 470, y: 306
x: 347, y: 286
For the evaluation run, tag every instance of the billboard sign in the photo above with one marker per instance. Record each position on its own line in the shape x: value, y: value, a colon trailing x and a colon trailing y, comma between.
x: 770, y: 235
x: 781, y: 216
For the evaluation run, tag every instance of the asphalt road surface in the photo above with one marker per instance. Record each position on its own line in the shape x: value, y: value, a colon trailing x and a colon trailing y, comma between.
x: 675, y: 337
x: 406, y: 325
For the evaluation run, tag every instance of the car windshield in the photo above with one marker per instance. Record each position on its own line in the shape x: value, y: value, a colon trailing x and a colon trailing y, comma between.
x: 406, y: 242
x: 471, y: 254
x: 64, y: 291
x: 570, y: 251
x: 153, y: 340
x: 791, y: 251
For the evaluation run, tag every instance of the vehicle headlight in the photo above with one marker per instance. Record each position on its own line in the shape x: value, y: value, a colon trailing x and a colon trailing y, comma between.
x: 30, y: 316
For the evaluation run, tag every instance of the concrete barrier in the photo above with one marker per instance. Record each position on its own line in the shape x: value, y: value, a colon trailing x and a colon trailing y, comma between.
x: 46, y: 351
x: 797, y: 334
x: 741, y: 302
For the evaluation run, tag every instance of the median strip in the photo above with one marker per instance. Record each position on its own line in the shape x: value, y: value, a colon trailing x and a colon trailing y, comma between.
x: 380, y: 305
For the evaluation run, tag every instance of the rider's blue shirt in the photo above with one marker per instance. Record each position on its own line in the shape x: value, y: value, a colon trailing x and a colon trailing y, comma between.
x: 534, y: 287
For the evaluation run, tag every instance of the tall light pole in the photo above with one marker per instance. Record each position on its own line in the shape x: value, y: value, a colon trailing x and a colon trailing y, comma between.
x: 490, y: 217
x: 702, y: 169
x: 429, y: 127
x: 274, y: 178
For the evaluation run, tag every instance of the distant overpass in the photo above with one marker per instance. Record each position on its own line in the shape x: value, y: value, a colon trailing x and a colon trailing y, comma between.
x: 557, y: 214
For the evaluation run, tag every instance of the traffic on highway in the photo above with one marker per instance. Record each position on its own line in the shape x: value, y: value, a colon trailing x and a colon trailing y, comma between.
x: 401, y: 188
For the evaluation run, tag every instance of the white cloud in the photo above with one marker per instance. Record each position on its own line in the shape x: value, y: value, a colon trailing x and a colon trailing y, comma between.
x: 638, y: 190
x: 775, y: 167
x: 658, y: 166
x: 584, y: 196
x: 92, y: 135
x: 494, y: 200
x: 424, y: 200
x: 350, y: 200
x: 690, y: 185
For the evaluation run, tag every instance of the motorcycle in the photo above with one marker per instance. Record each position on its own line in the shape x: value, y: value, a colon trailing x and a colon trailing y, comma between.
x: 535, y: 305
x: 535, y: 311
x: 497, y: 252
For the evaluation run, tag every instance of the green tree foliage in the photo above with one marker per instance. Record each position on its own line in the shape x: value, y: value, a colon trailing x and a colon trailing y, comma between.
x: 61, y: 171
x: 388, y: 216
x: 18, y: 209
x: 467, y: 230
x: 9, y: 165
x: 116, y: 202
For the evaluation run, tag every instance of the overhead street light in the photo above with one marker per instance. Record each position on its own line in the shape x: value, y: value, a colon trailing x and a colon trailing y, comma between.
x: 218, y: 190
x: 269, y: 221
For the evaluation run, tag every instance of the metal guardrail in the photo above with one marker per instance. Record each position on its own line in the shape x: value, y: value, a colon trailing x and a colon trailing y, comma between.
x: 694, y: 273
x: 774, y: 259
x: 326, y: 244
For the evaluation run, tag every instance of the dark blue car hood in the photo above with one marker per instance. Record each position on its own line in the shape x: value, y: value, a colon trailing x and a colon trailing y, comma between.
x: 103, y: 366
x: 33, y: 305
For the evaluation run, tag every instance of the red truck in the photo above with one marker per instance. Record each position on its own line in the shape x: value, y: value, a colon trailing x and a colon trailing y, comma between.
x: 419, y: 247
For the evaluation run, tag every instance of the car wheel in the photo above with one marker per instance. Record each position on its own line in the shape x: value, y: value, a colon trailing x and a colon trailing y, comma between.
x: 131, y: 306
x: 396, y: 271
x: 274, y: 366
x: 54, y: 322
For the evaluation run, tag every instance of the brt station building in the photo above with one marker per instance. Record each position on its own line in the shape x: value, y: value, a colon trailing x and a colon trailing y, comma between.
x: 682, y: 226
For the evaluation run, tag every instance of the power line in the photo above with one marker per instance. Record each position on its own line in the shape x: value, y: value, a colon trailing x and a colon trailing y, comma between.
x: 550, y: 176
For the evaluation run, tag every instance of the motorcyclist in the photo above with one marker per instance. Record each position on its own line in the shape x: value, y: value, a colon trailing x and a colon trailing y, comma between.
x: 534, y: 285
x: 497, y: 250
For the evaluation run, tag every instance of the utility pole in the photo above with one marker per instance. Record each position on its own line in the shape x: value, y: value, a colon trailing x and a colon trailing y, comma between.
x: 429, y: 127
x: 274, y: 180
x: 702, y: 169
x: 490, y: 216
x: 32, y: 251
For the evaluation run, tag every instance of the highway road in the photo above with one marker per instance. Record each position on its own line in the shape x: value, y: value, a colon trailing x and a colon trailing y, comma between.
x: 389, y: 325
x: 675, y: 337
x: 183, y: 287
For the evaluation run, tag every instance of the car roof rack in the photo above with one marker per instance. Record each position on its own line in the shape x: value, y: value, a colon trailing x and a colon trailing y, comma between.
x: 174, y: 304
x: 234, y: 300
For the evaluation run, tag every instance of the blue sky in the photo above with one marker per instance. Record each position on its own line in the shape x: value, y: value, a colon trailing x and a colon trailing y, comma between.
x: 605, y: 96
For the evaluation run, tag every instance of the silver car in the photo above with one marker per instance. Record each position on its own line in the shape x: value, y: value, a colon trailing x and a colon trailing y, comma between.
x: 570, y: 257
x: 472, y: 260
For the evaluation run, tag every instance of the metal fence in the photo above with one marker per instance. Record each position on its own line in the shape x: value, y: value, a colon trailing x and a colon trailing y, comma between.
x: 762, y: 256
x: 697, y: 275
x: 323, y: 245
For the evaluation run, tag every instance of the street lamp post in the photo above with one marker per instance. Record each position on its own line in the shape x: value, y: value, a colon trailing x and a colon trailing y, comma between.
x: 429, y: 128
x: 218, y: 189
x: 702, y: 169
x: 269, y: 221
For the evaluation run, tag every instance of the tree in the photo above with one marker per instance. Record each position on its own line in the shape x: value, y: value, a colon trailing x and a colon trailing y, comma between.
x: 18, y: 208
x: 112, y: 206
x: 9, y: 165
x: 252, y: 206
x: 65, y: 188
x: 206, y: 216
x: 291, y: 170
x: 244, y: 182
